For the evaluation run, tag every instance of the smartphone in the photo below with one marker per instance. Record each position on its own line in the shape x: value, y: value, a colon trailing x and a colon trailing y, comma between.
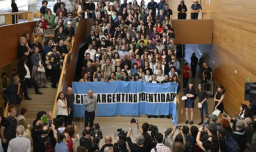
x: 203, y: 126
x: 178, y: 127
x: 50, y: 123
x: 116, y: 134
x: 73, y: 123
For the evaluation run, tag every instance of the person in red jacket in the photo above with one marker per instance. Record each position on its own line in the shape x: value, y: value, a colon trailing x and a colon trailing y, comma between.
x: 69, y: 142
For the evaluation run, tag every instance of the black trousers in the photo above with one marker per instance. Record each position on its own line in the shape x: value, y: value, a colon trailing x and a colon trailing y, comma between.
x: 55, y: 74
x: 27, y: 82
x: 65, y: 119
x: 5, y: 146
x: 89, y: 117
x: 185, y: 82
x: 70, y: 117
x: 193, y: 69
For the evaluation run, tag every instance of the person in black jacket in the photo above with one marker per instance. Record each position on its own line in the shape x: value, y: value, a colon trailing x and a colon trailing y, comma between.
x: 90, y: 8
x: 13, y: 91
x: 194, y: 62
x: 14, y: 9
x: 182, y: 8
x: 148, y: 140
x: 239, y: 135
x: 70, y: 31
x: 25, y: 77
x: 86, y: 141
x: 56, y: 6
x: 44, y: 8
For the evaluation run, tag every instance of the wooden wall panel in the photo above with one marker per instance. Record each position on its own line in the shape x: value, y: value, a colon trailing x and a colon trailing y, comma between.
x: 193, y: 31
x: 9, y: 40
x: 234, y: 32
x: 82, y: 34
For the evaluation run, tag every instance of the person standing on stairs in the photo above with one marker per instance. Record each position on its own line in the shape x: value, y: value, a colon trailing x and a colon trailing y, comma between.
x: 25, y: 77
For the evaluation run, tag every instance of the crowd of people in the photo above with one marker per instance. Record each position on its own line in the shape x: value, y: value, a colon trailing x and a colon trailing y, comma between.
x: 128, y: 42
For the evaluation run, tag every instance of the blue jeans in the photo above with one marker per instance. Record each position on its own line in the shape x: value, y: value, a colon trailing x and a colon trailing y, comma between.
x: 205, y: 109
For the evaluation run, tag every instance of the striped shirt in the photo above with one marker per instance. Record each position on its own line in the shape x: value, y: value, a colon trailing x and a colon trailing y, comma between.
x: 19, y: 144
x: 161, y: 148
x: 90, y: 107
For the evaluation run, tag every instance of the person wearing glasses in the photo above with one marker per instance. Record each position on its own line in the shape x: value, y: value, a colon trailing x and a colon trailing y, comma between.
x: 71, y: 19
x: 91, y: 107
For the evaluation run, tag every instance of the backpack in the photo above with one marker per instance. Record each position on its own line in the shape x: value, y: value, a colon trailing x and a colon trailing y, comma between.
x: 189, y: 147
x: 231, y: 144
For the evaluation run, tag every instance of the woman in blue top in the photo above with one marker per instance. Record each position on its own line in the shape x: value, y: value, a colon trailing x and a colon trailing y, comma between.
x: 134, y: 70
x: 189, y: 103
x: 195, y: 8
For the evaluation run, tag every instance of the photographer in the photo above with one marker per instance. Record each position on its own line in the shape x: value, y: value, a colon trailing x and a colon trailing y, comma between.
x: 86, y: 140
x: 108, y: 143
x: 212, y: 119
x: 140, y: 140
x: 206, y: 145
x: 144, y: 131
x: 188, y: 140
x: 211, y: 131
x: 48, y: 139
x: 168, y: 141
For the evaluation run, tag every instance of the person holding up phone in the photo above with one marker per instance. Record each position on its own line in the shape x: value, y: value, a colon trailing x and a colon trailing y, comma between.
x: 91, y: 107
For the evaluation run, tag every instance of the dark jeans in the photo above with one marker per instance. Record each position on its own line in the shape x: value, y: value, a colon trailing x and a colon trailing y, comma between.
x: 194, y: 15
x: 26, y: 83
x: 205, y: 109
x: 89, y: 116
x: 70, y: 117
x: 185, y: 82
x: 55, y: 74
x: 65, y: 119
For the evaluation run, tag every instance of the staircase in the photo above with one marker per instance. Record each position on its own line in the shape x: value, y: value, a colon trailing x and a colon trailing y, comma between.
x: 42, y: 102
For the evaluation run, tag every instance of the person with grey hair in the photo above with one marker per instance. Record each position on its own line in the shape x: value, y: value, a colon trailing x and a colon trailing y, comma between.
x: 20, y: 143
x: 154, y: 79
x: 108, y: 149
x: 13, y: 91
x: 70, y: 104
x: 139, y: 145
x: 249, y: 130
x: 108, y: 144
x: 239, y: 135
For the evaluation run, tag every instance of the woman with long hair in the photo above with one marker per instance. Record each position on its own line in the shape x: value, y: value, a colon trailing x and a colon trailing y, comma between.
x: 38, y: 70
x: 147, y: 76
x: 147, y: 67
x: 111, y: 10
x: 112, y: 77
x: 218, y: 98
x: 202, y: 99
x: 134, y: 70
x: 160, y: 28
x: 61, y: 34
x: 85, y: 78
x: 182, y: 8
x: 62, y: 111
x: 60, y: 16
x: 142, y: 16
x: 167, y: 21
x: 189, y: 103
x: 176, y: 79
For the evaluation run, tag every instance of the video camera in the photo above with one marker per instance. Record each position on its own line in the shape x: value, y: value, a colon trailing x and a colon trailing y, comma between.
x: 153, y: 130
x: 97, y: 136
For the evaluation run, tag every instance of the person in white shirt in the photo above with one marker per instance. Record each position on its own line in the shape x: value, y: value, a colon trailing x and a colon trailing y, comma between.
x: 160, y: 147
x: 91, y: 51
x: 20, y: 143
x: 154, y: 79
x: 160, y: 76
x: 62, y: 110
x: 147, y: 77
